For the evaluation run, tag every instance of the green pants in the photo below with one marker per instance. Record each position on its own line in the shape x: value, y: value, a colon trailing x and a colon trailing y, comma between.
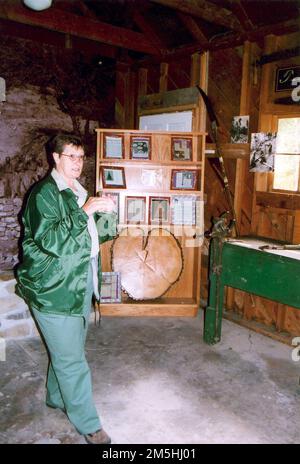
x: 69, y: 385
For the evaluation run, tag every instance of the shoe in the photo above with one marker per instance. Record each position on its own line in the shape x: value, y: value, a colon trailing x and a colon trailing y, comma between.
x: 98, y: 438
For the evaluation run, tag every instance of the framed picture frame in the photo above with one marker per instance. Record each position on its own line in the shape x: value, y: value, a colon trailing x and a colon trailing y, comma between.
x: 113, y: 146
x: 183, y: 209
x: 159, y: 210
x: 184, y: 179
x: 239, y: 131
x: 181, y: 148
x: 113, y: 177
x: 140, y: 147
x: 262, y: 151
x: 135, y: 210
x: 284, y: 78
x: 111, y: 287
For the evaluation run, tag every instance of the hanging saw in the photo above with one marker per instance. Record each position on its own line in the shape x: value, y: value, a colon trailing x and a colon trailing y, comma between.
x: 280, y: 247
x: 222, y: 172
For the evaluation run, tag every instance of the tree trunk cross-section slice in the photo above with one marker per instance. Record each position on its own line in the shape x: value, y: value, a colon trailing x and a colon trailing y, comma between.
x: 149, y: 265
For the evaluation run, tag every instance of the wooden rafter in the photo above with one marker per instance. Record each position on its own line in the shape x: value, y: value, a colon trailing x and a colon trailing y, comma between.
x: 56, y: 39
x: 239, y: 11
x: 229, y: 41
x: 68, y: 23
x: 146, y: 27
x: 193, y: 28
x: 205, y: 10
x: 85, y: 10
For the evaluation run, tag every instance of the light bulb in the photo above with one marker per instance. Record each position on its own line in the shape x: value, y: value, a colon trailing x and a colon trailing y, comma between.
x: 38, y: 5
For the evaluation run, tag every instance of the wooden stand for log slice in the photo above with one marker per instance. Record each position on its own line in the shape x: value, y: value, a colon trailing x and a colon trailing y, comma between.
x: 146, y: 172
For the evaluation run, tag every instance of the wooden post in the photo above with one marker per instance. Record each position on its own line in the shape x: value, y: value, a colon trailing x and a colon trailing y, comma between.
x: 195, y: 69
x: 296, y: 232
x: 142, y: 86
x: 142, y: 81
x: 121, y: 77
x: 163, y: 80
x: 265, y: 124
x: 199, y: 76
x: 270, y: 45
x: 68, y: 41
x: 203, y: 83
x: 241, y: 164
x: 130, y: 100
x: 125, y: 96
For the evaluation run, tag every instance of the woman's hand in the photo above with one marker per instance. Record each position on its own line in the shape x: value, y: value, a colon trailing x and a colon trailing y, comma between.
x: 103, y: 204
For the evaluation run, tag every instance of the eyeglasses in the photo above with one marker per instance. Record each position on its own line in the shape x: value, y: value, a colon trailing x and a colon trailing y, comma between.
x: 75, y: 157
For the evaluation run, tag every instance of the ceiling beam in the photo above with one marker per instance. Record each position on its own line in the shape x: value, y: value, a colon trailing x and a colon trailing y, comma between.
x: 205, y: 10
x: 193, y: 28
x: 146, y: 27
x: 68, y: 23
x: 56, y: 39
x: 234, y: 40
x: 228, y: 41
x: 85, y: 10
x: 239, y: 11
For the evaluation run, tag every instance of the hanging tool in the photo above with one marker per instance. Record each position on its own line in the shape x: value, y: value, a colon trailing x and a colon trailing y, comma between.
x: 280, y: 247
x: 222, y: 172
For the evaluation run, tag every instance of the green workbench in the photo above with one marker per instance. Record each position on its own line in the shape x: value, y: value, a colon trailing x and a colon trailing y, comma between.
x: 273, y: 274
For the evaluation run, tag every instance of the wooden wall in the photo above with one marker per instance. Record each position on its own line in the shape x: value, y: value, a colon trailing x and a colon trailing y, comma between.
x: 237, y: 86
x: 274, y: 215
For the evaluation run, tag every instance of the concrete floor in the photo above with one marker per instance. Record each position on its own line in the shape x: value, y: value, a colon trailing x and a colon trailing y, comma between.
x: 156, y: 382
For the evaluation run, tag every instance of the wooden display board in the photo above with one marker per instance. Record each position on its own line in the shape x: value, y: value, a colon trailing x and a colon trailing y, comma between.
x: 149, y: 172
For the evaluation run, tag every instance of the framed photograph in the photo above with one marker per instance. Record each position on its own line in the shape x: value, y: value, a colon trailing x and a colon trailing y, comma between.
x: 113, y: 177
x: 110, y: 287
x: 239, y: 132
x: 140, y: 147
x: 113, y: 146
x: 135, y: 210
x: 159, y: 210
x: 183, y: 209
x: 184, y: 179
x: 181, y: 148
x: 262, y: 150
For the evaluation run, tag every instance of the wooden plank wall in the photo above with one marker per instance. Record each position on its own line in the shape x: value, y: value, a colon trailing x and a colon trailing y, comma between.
x: 236, y: 86
x: 225, y: 100
x: 274, y: 215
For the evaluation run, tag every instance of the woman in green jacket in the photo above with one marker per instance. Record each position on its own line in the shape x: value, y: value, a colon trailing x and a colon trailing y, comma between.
x: 59, y: 273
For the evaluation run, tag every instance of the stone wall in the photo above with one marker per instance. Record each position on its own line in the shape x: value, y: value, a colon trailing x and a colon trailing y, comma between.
x: 15, y: 318
x: 48, y: 91
x: 9, y: 231
x: 27, y: 119
x: 16, y: 321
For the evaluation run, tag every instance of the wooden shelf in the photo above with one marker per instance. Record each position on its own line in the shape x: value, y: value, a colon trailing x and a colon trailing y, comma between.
x: 229, y: 150
x: 147, y: 163
x: 162, y: 307
x: 183, y: 297
x: 141, y: 132
x: 137, y: 191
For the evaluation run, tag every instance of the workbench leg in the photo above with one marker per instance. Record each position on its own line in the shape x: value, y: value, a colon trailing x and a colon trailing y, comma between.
x: 213, y: 314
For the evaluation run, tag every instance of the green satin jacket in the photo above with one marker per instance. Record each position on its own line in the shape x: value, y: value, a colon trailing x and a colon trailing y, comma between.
x: 52, y: 275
